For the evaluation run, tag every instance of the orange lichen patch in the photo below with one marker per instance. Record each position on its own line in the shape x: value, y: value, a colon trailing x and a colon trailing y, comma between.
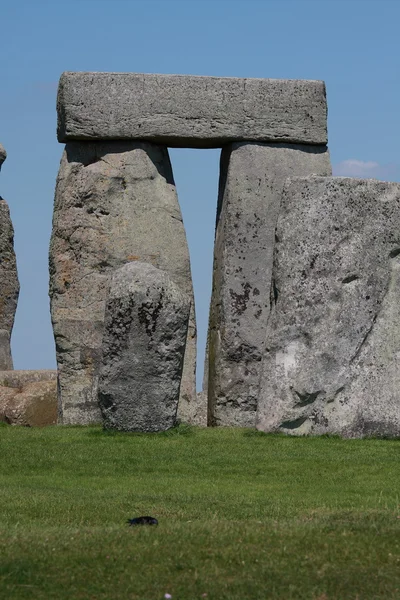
x: 132, y: 257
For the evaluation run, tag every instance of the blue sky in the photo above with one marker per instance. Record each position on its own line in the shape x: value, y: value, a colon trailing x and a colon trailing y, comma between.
x: 351, y: 44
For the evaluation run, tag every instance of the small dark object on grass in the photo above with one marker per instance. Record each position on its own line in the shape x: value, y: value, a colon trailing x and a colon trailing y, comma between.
x: 143, y: 521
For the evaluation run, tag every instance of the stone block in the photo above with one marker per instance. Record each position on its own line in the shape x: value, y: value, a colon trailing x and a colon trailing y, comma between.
x: 115, y: 203
x: 9, y: 285
x: 20, y: 378
x: 251, y: 182
x: 34, y: 406
x: 145, y: 333
x: 332, y: 353
x: 190, y: 111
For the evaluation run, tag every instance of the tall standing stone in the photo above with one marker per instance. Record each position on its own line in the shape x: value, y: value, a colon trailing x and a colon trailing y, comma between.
x: 115, y: 203
x: 9, y: 285
x: 146, y: 323
x: 251, y: 181
x: 332, y: 357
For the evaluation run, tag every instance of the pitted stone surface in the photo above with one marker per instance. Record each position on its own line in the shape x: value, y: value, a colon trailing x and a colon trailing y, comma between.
x: 251, y: 182
x: 115, y: 203
x: 9, y: 285
x: 332, y: 359
x: 190, y: 111
x: 145, y: 332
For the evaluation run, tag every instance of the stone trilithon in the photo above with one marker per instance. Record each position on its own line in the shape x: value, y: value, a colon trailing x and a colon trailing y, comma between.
x: 116, y: 203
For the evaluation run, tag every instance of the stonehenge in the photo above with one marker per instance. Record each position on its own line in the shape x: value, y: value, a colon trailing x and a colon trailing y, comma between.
x: 302, y: 335
x: 9, y: 284
x: 104, y: 217
x: 146, y: 324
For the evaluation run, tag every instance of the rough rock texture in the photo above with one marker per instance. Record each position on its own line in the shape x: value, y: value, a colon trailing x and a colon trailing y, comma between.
x: 6, y: 395
x: 34, y: 406
x: 146, y: 324
x: 332, y: 359
x: 115, y: 203
x: 9, y: 285
x: 183, y: 110
x: 19, y: 379
x: 251, y: 182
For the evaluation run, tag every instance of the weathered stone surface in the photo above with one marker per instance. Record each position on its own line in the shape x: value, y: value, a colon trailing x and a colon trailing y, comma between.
x: 19, y: 379
x: 3, y: 154
x: 251, y: 182
x: 200, y: 418
x: 6, y: 394
x: 34, y: 406
x: 332, y: 359
x: 183, y: 110
x: 9, y: 285
x: 115, y: 203
x: 145, y: 333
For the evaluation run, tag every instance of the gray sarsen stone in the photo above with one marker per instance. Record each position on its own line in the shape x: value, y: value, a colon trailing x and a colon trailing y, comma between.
x: 115, y: 203
x: 332, y: 359
x: 9, y: 284
x: 146, y: 324
x: 191, y: 111
x: 251, y: 183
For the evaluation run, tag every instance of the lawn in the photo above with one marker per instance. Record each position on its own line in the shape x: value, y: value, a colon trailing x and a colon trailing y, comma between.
x: 241, y: 516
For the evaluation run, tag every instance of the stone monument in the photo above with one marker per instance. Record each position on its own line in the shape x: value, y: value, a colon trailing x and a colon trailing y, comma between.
x: 116, y: 203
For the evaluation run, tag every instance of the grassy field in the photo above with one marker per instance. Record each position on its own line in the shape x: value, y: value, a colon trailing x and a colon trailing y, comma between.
x: 241, y: 516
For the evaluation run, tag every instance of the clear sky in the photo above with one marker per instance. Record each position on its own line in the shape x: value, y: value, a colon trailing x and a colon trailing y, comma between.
x: 351, y: 44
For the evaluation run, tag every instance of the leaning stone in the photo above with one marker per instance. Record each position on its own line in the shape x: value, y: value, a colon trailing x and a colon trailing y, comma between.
x: 115, y: 203
x: 9, y: 285
x: 35, y: 406
x: 190, y: 111
x: 332, y: 358
x: 144, y: 341
x: 251, y: 182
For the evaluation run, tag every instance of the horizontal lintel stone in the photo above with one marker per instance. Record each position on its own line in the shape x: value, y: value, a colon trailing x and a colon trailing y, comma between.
x: 190, y: 111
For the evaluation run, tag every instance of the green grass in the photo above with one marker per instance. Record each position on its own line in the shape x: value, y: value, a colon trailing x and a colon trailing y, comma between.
x: 241, y: 516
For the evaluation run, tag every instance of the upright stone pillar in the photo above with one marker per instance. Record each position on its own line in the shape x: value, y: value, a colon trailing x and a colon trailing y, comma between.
x: 251, y: 181
x: 9, y: 285
x: 332, y: 357
x: 115, y: 203
x: 146, y: 323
